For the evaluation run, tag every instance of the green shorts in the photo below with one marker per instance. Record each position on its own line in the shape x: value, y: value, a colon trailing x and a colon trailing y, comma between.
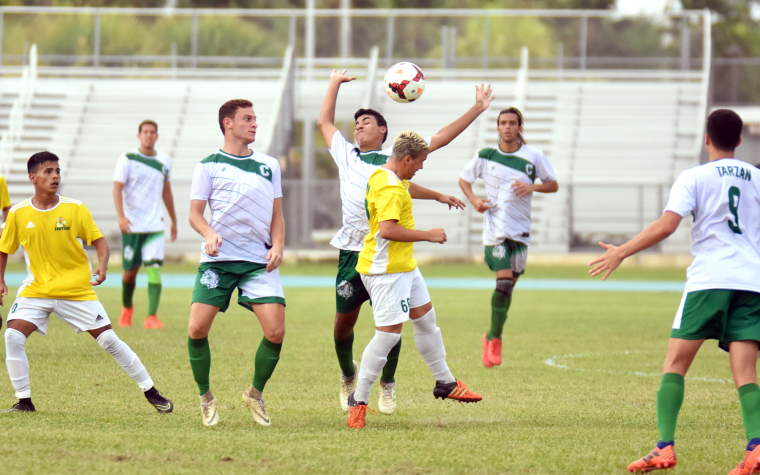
x: 141, y: 248
x: 217, y: 280
x: 507, y: 255
x: 350, y: 293
x: 718, y: 314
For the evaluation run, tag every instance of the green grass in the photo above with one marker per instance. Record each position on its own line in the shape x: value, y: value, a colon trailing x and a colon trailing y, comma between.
x: 593, y: 417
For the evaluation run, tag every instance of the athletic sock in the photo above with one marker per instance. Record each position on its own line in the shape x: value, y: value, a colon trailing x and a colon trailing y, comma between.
x: 200, y: 362
x: 345, y: 351
x: 427, y: 337
x: 749, y: 396
x: 126, y: 358
x: 499, y: 306
x: 669, y: 400
x: 661, y: 445
x: 154, y: 288
x: 752, y: 444
x: 151, y: 392
x: 267, y: 357
x: 17, y: 362
x: 389, y: 370
x: 127, y: 292
x: 373, y: 359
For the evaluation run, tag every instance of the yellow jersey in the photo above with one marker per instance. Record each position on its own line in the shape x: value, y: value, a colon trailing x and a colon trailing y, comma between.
x: 58, y: 265
x: 5, y: 199
x: 387, y: 199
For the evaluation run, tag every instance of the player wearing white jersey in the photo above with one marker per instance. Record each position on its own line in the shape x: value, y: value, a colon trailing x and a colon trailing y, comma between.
x: 722, y: 296
x: 242, y: 248
x: 509, y: 173
x: 140, y: 183
x: 356, y: 163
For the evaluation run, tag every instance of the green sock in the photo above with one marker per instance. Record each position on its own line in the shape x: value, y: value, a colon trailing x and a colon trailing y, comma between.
x: 749, y: 396
x: 499, y: 306
x: 345, y: 351
x: 669, y: 400
x: 200, y: 362
x: 389, y: 370
x: 154, y: 295
x: 127, y: 291
x: 267, y: 357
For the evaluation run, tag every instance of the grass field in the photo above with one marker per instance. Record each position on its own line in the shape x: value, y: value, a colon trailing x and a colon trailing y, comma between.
x: 575, y: 394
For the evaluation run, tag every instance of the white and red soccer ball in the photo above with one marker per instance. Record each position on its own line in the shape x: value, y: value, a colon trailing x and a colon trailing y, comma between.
x: 404, y: 82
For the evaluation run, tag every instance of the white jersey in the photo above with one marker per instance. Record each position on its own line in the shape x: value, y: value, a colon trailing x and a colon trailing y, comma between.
x: 240, y: 192
x: 509, y: 216
x: 142, y: 195
x: 723, y: 197
x: 354, y: 170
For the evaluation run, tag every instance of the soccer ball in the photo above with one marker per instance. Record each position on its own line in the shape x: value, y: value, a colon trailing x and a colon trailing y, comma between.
x: 404, y: 82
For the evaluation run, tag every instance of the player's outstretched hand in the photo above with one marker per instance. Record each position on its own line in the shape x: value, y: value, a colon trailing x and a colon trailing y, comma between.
x: 274, y: 256
x: 521, y: 188
x: 212, y: 244
x: 609, y: 261
x: 437, y: 235
x: 452, y: 201
x: 340, y: 76
x: 483, y: 96
x: 3, y: 291
x: 100, y: 274
x: 124, y: 224
x: 481, y: 206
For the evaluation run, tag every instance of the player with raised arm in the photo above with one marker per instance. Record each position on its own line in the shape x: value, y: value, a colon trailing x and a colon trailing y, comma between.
x: 50, y: 228
x: 140, y: 183
x: 721, y: 300
x: 242, y: 248
x: 355, y: 165
x: 394, y: 283
x: 509, y: 173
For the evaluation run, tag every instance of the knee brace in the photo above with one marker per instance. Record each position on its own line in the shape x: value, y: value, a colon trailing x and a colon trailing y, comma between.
x: 505, y: 286
x: 154, y: 274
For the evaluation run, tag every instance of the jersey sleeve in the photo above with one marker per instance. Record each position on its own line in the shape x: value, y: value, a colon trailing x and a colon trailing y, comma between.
x: 5, y: 199
x: 277, y: 180
x: 544, y: 169
x: 122, y: 169
x: 388, y: 201
x: 200, y: 189
x: 340, y: 149
x: 473, y: 170
x: 87, y: 229
x: 9, y: 242
x: 683, y: 196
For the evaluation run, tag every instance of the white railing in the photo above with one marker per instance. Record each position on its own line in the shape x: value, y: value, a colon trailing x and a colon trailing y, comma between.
x: 369, y: 98
x: 279, y: 141
x: 12, y: 136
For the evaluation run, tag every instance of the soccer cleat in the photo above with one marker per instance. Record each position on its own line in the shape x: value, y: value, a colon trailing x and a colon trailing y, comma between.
x: 162, y: 404
x: 258, y: 408
x: 456, y: 391
x: 357, y: 413
x: 486, y: 360
x: 125, y: 320
x: 387, y: 403
x: 657, y: 459
x: 22, y: 407
x: 750, y: 464
x: 347, y: 386
x: 494, y: 351
x: 152, y: 322
x: 208, y: 410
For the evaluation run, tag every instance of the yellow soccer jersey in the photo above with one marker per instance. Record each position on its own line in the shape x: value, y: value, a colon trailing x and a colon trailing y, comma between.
x: 5, y: 199
x: 58, y: 265
x: 387, y: 198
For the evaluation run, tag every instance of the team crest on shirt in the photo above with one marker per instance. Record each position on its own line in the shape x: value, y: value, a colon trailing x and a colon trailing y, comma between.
x: 129, y: 253
x: 265, y: 171
x: 210, y: 279
x: 499, y: 252
x: 60, y: 224
x: 345, y: 289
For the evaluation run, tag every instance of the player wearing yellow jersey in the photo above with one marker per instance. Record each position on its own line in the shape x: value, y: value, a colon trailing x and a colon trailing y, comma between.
x: 49, y: 228
x: 5, y: 199
x: 393, y: 281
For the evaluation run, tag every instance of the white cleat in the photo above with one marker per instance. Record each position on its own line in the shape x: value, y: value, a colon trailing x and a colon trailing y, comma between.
x: 387, y: 403
x: 208, y: 410
x: 347, y: 386
x: 258, y: 408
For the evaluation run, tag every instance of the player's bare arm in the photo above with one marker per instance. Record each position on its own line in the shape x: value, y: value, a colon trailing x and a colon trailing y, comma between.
x: 483, y: 98
x: 393, y: 231
x: 479, y: 204
x: 104, y: 253
x: 118, y: 200
x: 653, y: 234
x: 277, y: 230
x: 326, y: 122
x: 213, y: 241
x: 168, y: 198
x: 520, y: 188
x: 421, y: 193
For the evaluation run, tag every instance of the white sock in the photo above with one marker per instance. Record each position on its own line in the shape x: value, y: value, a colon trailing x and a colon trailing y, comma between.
x: 127, y: 359
x: 429, y: 342
x: 373, y: 360
x: 17, y: 362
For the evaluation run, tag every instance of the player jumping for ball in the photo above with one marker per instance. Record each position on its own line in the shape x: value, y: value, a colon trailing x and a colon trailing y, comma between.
x: 50, y: 227
x: 509, y: 173
x: 355, y: 165
x: 721, y: 300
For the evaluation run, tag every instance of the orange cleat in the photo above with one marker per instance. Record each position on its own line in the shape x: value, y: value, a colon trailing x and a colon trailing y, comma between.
x: 153, y: 322
x: 750, y: 464
x: 356, y: 416
x: 494, y: 351
x: 456, y: 391
x: 125, y: 320
x: 657, y: 459
x: 486, y: 360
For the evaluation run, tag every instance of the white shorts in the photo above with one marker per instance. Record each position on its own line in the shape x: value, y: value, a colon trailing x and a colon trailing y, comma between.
x: 393, y: 295
x: 81, y: 315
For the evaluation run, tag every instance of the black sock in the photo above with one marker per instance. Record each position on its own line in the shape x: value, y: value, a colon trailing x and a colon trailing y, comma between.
x: 26, y: 400
x: 151, y: 392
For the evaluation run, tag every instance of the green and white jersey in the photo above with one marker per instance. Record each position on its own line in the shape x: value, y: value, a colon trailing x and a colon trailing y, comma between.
x: 240, y: 192
x: 509, y: 216
x: 723, y: 196
x: 143, y: 179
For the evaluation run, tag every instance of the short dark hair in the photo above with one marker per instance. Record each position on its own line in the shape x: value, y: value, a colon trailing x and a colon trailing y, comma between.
x: 724, y: 127
x: 229, y: 108
x: 147, y: 122
x: 378, y: 117
x: 38, y: 159
x: 515, y: 111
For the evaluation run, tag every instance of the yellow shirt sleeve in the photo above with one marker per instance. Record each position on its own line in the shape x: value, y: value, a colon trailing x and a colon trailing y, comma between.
x: 87, y: 230
x: 5, y: 199
x: 9, y: 242
x: 388, y: 203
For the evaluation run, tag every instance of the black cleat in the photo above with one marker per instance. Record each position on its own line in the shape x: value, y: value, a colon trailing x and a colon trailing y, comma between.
x: 22, y: 406
x: 157, y: 400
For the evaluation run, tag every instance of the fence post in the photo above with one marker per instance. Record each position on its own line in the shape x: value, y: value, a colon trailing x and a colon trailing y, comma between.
x: 685, y: 44
x: 583, y: 42
x: 292, y: 31
x: 96, y: 42
x: 570, y: 215
x: 311, y: 40
x: 560, y: 60
x: 389, y: 32
x: 486, y: 25
x: 307, y: 174
x: 453, y: 47
x: 345, y: 29
x: 444, y: 46
x: 194, y: 43
x: 174, y: 60
x: 1, y: 39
